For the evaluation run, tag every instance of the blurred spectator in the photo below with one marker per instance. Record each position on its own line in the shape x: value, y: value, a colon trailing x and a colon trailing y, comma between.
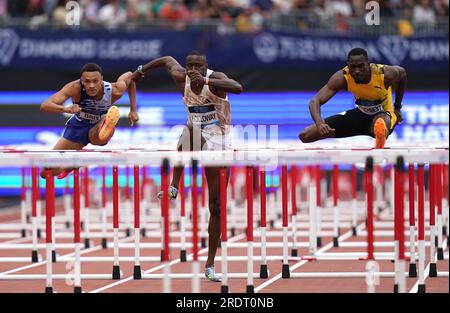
x: 34, y: 8
x: 174, y: 10
x: 139, y: 10
x: 301, y: 5
x: 256, y: 18
x: 263, y: 5
x: 156, y: 6
x: 359, y: 7
x: 396, y: 6
x: 405, y: 28
x: 49, y: 6
x: 59, y: 13
x: 3, y: 9
x: 386, y: 9
x: 112, y: 14
x: 341, y: 7
x: 248, y: 15
x: 200, y: 11
x: 90, y: 9
x: 441, y: 7
x: 244, y: 4
x: 423, y: 14
x: 17, y: 8
x: 283, y: 6
x: 321, y: 11
x: 407, y: 8
x: 243, y: 22
x: 342, y: 25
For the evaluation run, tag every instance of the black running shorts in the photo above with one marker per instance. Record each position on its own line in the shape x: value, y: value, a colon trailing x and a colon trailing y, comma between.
x: 353, y: 123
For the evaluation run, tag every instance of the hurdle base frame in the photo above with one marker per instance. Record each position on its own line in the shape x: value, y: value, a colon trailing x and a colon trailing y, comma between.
x: 116, y: 272
x: 137, y: 273
x: 412, y: 270
x: 421, y: 288
x: 263, y: 273
x: 433, y: 270
x: 285, y: 272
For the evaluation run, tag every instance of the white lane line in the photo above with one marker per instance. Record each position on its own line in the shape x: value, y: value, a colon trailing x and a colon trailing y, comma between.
x: 426, y: 272
x: 84, y: 251
x: 345, y: 236
x: 156, y: 268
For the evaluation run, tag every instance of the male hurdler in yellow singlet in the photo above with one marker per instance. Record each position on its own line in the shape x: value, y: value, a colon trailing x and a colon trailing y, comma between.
x: 375, y: 114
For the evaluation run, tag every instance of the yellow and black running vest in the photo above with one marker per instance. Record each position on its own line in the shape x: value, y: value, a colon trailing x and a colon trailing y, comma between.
x: 373, y: 97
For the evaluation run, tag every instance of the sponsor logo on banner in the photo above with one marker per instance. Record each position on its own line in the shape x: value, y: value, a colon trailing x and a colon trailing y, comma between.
x: 266, y: 47
x: 394, y: 48
x: 270, y: 48
x: 84, y: 48
x: 8, y: 45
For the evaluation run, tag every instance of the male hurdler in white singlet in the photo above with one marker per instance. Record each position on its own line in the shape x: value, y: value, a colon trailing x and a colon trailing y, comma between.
x: 205, y: 96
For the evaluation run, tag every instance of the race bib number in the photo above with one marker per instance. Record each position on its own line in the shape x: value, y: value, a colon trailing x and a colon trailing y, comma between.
x: 369, y: 107
x: 203, y: 115
x: 90, y: 117
x: 370, y: 110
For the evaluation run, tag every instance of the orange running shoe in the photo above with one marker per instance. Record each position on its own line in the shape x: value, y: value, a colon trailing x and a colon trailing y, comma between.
x: 110, y: 122
x: 380, y: 130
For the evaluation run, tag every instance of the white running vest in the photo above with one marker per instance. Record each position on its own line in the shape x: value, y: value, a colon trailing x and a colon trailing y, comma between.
x: 91, y: 109
x: 207, y: 110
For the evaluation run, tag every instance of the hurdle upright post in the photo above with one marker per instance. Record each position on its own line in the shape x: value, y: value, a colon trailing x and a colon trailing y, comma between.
x: 86, y: 208
x: 421, y: 225
x: 104, y: 211
x: 116, y: 267
x: 312, y: 199
x: 263, y: 273
x: 127, y: 219
x: 400, y: 227
x: 165, y: 211
x: 194, y: 198
x: 67, y: 204
x: 318, y: 176
x: 76, y: 229
x: 23, y: 204
x: 412, y: 221
x: 285, y: 272
x: 34, y: 235
x: 369, y: 192
x: 432, y: 206
x: 249, y: 185
x: 294, y: 176
x: 49, y: 207
x: 224, y: 230
x: 335, y: 190
x: 183, y: 257
x: 354, y: 199
x: 439, y: 193
x: 137, y: 200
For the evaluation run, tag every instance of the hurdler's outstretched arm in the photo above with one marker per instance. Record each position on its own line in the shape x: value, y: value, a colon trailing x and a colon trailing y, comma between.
x: 55, y: 103
x: 175, y: 70
x: 396, y: 77
x: 335, y: 84
x: 126, y: 83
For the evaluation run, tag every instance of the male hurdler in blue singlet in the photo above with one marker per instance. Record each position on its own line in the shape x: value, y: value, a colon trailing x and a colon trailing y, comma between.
x: 94, y: 115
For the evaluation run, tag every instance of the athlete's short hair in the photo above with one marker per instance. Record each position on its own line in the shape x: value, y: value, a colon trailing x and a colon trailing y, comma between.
x: 91, y: 67
x: 198, y: 53
x: 358, y: 51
